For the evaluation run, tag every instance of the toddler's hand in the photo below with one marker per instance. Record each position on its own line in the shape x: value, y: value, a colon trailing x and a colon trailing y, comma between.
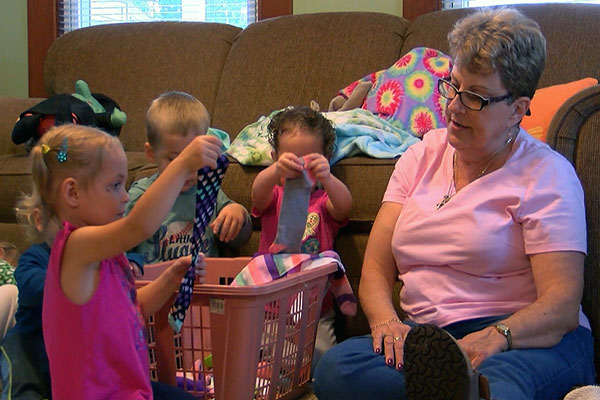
x: 135, y: 269
x: 181, y: 265
x: 318, y: 166
x: 201, y: 152
x: 288, y: 165
x: 229, y: 222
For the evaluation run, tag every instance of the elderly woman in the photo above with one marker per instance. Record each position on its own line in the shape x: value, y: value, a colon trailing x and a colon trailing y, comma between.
x: 485, y: 227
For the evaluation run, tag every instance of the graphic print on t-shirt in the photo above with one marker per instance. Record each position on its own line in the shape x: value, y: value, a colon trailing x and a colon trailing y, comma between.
x: 310, y: 244
x: 173, y: 241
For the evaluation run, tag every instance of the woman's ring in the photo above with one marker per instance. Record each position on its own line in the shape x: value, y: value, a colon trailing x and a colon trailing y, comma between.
x: 396, y: 338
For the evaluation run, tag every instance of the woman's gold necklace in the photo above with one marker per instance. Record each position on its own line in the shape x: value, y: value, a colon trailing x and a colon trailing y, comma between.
x: 448, y: 196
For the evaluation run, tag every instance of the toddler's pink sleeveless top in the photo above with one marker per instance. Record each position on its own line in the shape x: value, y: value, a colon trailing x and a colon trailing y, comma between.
x: 97, y: 350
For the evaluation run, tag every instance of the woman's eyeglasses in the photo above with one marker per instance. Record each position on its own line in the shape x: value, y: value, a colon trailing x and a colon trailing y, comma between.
x: 471, y: 100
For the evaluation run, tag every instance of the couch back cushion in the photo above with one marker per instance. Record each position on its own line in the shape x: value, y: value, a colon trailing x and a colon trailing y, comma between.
x: 134, y: 63
x: 295, y: 59
x: 570, y: 31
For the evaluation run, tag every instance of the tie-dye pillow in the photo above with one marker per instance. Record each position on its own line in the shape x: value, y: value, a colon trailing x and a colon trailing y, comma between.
x: 406, y: 93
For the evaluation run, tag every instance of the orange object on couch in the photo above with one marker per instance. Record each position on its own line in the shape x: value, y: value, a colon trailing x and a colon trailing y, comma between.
x: 547, y: 101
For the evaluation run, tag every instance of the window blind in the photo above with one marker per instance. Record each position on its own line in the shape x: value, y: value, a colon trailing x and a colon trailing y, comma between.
x: 481, y: 3
x: 75, y: 14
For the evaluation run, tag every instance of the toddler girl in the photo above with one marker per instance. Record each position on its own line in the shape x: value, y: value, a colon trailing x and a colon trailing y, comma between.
x: 93, y: 318
x: 302, y: 139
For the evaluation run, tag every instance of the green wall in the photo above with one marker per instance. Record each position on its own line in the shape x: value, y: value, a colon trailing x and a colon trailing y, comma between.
x: 311, y: 6
x: 13, y: 48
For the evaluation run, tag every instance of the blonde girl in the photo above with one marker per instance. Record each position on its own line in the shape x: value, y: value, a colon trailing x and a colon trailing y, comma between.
x: 93, y: 318
x: 24, y: 368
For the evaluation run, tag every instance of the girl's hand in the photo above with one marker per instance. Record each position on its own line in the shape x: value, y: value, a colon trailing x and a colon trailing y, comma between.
x: 229, y: 222
x: 201, y: 152
x: 388, y: 340
x: 180, y: 266
x: 318, y: 166
x: 288, y: 165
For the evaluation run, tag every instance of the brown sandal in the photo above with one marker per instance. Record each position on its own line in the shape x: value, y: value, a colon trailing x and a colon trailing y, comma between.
x: 436, y: 368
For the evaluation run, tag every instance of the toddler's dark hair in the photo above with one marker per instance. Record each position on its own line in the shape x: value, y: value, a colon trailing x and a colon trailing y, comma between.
x: 307, y: 118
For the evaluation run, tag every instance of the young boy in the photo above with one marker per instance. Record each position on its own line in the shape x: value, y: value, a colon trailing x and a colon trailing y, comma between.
x: 173, y: 120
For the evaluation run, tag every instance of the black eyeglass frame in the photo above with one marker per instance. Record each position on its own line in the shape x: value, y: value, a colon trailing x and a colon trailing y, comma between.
x: 484, y: 100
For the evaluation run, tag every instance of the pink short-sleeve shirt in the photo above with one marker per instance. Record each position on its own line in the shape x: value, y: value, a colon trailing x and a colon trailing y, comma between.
x: 469, y: 259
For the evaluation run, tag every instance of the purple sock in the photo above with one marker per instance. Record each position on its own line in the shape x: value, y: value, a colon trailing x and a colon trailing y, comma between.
x: 209, y: 182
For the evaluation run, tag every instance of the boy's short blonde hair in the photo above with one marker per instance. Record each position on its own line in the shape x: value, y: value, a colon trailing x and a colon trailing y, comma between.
x: 175, y: 113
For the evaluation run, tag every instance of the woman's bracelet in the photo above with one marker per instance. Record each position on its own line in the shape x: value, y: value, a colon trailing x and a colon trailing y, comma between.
x: 389, y: 321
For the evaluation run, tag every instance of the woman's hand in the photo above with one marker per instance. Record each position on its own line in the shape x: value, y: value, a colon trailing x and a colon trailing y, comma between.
x: 388, y: 339
x: 483, y: 344
x: 376, y: 287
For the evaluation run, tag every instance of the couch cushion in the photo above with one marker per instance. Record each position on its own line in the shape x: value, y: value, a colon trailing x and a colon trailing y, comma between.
x: 145, y: 60
x: 569, y: 45
x: 295, y: 59
x: 15, y: 234
x: 16, y: 179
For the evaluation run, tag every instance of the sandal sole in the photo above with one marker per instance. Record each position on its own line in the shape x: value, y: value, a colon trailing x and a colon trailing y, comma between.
x: 435, y: 367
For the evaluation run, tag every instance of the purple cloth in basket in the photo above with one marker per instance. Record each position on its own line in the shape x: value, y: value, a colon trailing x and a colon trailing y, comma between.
x: 188, y: 384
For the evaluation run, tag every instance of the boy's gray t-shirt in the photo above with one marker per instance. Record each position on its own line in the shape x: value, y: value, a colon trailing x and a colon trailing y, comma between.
x: 174, y: 237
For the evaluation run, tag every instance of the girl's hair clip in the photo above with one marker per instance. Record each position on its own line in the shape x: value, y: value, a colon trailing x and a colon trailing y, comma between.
x: 62, y: 152
x: 45, y: 148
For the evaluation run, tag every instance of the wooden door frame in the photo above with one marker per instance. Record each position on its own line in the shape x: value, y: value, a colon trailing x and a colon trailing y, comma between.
x: 413, y: 8
x: 42, y: 30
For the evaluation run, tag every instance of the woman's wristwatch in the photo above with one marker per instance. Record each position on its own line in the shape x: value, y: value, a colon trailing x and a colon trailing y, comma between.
x: 505, y: 330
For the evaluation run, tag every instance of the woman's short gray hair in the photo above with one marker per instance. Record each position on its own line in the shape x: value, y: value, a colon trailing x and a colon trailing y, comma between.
x: 503, y: 40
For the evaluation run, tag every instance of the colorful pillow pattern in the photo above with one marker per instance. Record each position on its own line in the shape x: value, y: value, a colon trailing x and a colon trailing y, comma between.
x: 406, y: 93
x: 546, y: 102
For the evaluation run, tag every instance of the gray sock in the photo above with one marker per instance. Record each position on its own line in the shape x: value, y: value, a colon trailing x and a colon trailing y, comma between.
x: 292, y: 215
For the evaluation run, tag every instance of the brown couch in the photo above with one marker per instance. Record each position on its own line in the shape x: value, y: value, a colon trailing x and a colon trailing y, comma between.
x: 242, y: 74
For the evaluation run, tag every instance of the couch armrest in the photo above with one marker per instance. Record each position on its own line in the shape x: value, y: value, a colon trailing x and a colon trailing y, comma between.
x: 10, y: 109
x: 575, y: 133
x: 564, y: 131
